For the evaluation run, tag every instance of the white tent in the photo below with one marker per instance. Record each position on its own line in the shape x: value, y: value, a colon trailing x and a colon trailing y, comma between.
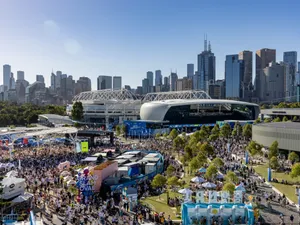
x: 22, y: 198
x: 12, y: 187
x: 209, y: 185
x: 198, y: 179
x: 185, y: 191
x: 12, y: 173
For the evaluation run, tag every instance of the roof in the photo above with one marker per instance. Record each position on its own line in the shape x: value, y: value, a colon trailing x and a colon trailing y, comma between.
x: 173, y: 102
x: 281, y: 111
x: 57, y: 130
x: 57, y: 119
x: 285, y: 125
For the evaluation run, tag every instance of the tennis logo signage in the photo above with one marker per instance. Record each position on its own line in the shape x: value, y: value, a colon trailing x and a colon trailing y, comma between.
x: 84, y: 147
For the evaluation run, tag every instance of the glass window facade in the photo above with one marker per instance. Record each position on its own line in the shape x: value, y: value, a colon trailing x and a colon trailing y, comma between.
x: 210, y: 113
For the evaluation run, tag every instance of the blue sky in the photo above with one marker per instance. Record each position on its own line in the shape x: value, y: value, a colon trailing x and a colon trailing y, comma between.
x: 130, y: 37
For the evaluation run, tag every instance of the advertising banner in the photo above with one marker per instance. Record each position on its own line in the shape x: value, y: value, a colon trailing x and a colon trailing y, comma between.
x: 84, y: 147
x: 238, y: 197
x: 212, y: 195
x: 200, y: 197
x: 224, y: 196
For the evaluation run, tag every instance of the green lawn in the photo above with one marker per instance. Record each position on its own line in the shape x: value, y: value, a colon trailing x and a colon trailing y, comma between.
x: 159, y: 204
x: 288, y: 190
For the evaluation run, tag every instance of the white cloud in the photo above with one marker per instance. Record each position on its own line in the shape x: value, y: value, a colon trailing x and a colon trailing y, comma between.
x: 51, y: 28
x: 72, y: 46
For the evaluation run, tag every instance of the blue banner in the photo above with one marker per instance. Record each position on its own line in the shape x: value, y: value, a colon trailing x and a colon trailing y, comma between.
x: 269, y: 174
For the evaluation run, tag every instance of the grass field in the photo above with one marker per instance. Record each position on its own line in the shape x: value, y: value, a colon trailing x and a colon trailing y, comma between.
x: 288, y: 190
x: 159, y: 204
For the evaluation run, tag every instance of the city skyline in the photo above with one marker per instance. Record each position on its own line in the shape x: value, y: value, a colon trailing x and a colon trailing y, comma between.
x: 127, y: 47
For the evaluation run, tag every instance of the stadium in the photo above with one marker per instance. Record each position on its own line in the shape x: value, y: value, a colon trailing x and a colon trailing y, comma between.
x: 184, y: 108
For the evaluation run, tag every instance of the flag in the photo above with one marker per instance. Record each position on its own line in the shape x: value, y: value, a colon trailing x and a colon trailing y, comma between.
x: 19, y: 164
x: 25, y: 141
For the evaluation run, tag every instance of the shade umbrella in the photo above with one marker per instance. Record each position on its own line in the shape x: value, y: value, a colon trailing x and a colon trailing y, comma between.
x: 220, y: 176
x: 209, y: 185
x: 202, y: 170
x: 240, y: 187
x: 185, y: 191
x: 64, y: 173
x: 198, y: 179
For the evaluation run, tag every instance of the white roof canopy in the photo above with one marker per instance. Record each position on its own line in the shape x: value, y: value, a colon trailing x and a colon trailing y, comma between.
x: 57, y: 130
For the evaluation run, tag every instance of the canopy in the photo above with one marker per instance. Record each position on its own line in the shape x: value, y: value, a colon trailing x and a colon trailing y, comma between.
x: 198, y: 180
x: 209, y: 185
x: 12, y: 173
x: 22, y: 198
x: 220, y: 176
x: 240, y: 187
x: 202, y: 170
x: 185, y: 191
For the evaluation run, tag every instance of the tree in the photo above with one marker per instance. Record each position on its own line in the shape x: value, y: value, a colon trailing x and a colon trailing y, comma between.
x: 295, y: 170
x: 254, y: 148
x: 173, y: 181
x: 247, y: 130
x: 216, y: 130
x: 277, y: 119
x: 204, y: 132
x: 213, y: 137
x: 77, y: 111
x: 123, y: 129
x: 295, y: 118
x: 229, y: 187
x: 207, y: 149
x: 170, y: 170
x: 202, y: 158
x: 218, y: 162
x: 194, y: 164
x: 188, y: 152
x: 267, y: 120
x: 173, y: 134
x: 257, y: 121
x: 273, y: 150
x: 293, y: 157
x: 157, y: 135
x: 178, y: 144
x: 158, y: 181
x: 285, y: 119
x: 211, y: 171
x: 225, y: 130
x: 165, y: 135
x: 118, y: 130
x: 231, y: 177
x: 274, y: 164
x: 237, y: 130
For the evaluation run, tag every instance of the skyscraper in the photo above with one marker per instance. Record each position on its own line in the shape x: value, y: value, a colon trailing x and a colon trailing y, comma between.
x: 6, y: 75
x: 263, y: 58
x: 150, y: 78
x: 247, y: 57
x: 145, y: 86
x: 234, y: 74
x: 12, y: 82
x: 273, y: 81
x: 40, y: 78
x: 206, y: 67
x: 117, y: 82
x: 290, y: 60
x: 158, y: 78
x: 190, y: 70
x: 20, y: 75
x: 104, y: 82
x: 173, y: 80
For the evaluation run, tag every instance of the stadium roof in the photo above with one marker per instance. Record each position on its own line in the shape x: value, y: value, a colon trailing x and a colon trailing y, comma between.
x: 283, y: 125
x: 106, y: 95
x: 58, y: 130
x: 126, y: 95
x: 199, y: 101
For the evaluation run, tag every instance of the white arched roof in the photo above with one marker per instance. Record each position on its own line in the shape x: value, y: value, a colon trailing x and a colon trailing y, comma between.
x: 157, y: 110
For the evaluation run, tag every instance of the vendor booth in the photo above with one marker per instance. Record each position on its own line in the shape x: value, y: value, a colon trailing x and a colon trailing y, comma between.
x: 131, y: 195
x: 12, y: 187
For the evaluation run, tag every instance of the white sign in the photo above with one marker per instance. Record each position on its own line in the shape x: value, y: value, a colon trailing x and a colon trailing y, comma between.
x: 238, y: 197
x: 200, y: 197
x: 212, y: 196
x: 224, y: 196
